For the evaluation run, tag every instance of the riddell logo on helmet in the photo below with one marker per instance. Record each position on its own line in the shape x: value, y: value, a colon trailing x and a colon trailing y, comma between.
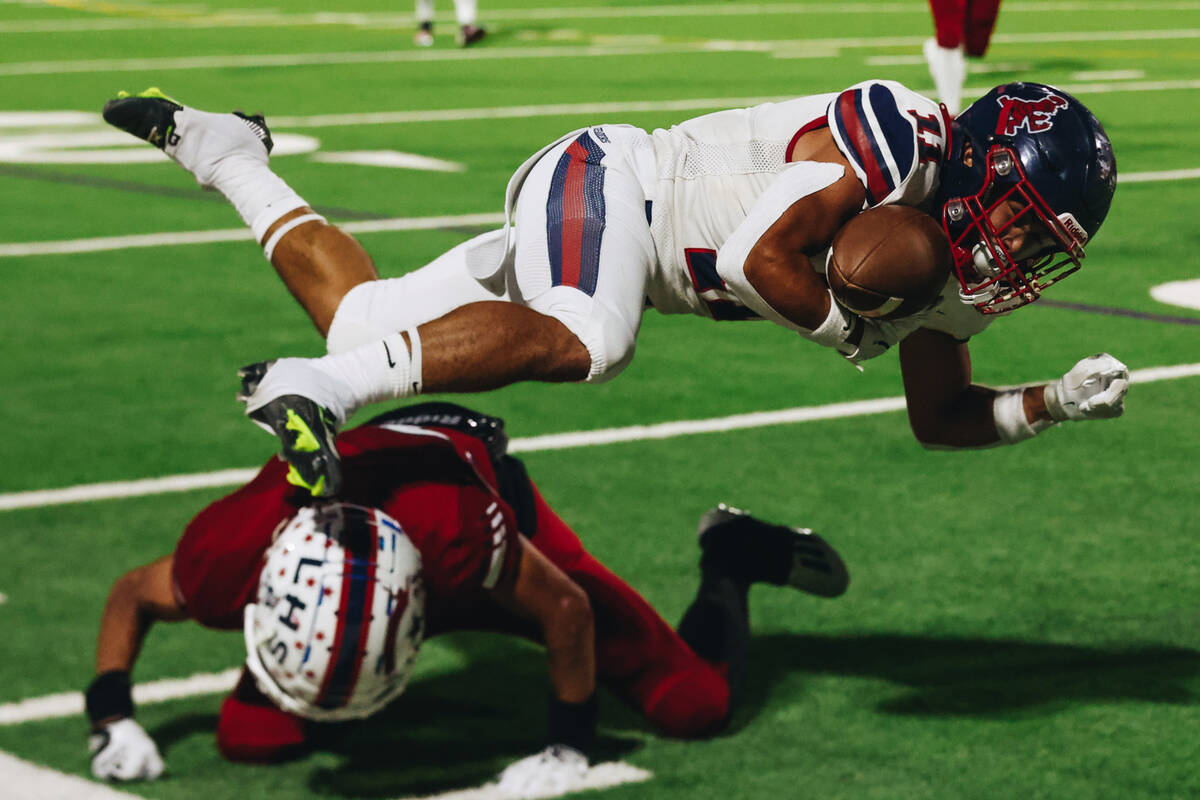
x: 1073, y: 227
x: 1035, y: 116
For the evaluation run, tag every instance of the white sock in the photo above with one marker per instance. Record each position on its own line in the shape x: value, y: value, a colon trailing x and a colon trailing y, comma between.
x: 424, y: 11
x: 465, y: 10
x: 948, y: 67
x: 381, y: 370
x: 260, y: 196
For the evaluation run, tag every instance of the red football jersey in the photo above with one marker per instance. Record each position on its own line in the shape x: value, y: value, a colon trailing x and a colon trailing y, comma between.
x: 437, y: 483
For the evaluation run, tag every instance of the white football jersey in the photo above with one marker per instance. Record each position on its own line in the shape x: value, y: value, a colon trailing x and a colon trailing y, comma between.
x: 714, y: 169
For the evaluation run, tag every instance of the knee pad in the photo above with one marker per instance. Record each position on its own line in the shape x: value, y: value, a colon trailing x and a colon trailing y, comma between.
x: 352, y: 325
x: 607, y: 337
x: 260, y: 734
x: 691, y: 703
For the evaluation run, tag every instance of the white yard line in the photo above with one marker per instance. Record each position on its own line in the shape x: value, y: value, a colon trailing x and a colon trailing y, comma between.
x: 69, y: 704
x: 553, y: 441
x: 829, y: 46
x: 375, y: 20
x: 1164, y: 175
x: 599, y: 776
x: 106, y: 243
x: 25, y: 781
x: 103, y: 243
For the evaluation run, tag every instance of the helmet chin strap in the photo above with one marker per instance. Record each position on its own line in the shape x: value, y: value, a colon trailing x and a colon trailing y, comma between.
x: 981, y: 257
x: 986, y: 267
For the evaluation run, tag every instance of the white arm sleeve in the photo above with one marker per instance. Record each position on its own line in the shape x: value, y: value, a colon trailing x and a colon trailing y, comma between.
x: 793, y: 183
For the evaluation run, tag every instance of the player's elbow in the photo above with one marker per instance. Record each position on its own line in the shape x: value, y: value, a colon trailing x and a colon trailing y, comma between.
x: 129, y: 588
x: 931, y: 433
x: 572, y: 619
x: 927, y: 438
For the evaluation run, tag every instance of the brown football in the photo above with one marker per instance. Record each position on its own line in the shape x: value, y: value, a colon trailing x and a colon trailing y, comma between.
x: 889, y: 262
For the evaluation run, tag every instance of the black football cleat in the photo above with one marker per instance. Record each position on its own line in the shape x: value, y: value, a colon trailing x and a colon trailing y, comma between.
x: 307, y: 432
x: 470, y: 34
x: 736, y: 542
x: 150, y: 116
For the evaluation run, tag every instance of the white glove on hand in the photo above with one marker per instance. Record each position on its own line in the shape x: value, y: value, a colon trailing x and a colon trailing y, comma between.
x: 556, y: 770
x: 855, y: 337
x: 1094, y: 389
x: 122, y: 751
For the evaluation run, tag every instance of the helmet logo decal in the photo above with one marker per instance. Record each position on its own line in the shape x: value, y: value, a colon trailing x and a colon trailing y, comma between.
x: 1073, y: 227
x: 1035, y: 116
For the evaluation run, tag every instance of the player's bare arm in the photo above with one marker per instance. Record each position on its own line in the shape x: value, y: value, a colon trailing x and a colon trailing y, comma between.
x: 541, y: 592
x: 779, y: 266
x: 137, y: 600
x: 947, y: 410
x: 538, y: 590
x: 120, y: 749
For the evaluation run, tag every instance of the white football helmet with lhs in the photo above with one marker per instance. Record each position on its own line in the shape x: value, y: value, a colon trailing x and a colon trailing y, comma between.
x: 338, y: 618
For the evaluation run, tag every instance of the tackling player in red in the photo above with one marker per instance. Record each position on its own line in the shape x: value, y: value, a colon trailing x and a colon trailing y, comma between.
x: 437, y: 530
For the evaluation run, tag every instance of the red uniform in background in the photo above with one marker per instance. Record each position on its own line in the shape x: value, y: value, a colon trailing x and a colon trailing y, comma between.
x: 441, y: 486
x: 968, y: 23
x: 963, y: 28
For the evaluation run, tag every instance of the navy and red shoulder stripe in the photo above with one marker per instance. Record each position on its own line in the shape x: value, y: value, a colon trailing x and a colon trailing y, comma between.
x: 876, y: 136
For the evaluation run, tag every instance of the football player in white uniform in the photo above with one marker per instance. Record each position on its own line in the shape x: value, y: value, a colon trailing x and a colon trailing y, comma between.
x: 728, y: 215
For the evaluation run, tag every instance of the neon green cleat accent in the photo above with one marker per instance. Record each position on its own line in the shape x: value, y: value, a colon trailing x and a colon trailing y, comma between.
x: 153, y: 91
x: 305, y: 442
x: 316, y: 490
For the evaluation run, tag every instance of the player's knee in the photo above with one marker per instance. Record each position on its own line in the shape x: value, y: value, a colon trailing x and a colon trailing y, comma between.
x: 352, y: 323
x: 257, y: 733
x: 691, y: 703
x: 609, y: 341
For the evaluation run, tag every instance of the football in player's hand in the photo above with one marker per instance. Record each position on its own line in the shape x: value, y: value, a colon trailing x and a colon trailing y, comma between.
x: 888, y: 262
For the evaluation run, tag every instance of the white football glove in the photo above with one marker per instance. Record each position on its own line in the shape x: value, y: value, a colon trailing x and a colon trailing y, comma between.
x: 555, y: 771
x: 122, y: 751
x: 1094, y: 389
x: 856, y: 338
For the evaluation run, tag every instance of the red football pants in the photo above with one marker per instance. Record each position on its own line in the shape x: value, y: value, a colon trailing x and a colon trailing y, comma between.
x: 639, y: 657
x: 965, y: 22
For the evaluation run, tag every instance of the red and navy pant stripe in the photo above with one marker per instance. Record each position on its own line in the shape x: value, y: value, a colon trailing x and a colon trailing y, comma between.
x: 575, y: 215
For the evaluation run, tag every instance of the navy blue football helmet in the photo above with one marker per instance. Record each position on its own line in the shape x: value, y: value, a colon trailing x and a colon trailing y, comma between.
x: 1029, y: 179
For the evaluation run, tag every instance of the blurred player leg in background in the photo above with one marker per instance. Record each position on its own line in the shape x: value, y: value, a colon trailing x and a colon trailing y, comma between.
x: 464, y: 11
x: 468, y: 32
x: 424, y: 35
x: 964, y: 28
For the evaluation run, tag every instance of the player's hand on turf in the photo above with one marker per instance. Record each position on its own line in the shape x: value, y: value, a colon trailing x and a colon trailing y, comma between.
x: 122, y: 751
x: 1094, y: 389
x: 555, y: 770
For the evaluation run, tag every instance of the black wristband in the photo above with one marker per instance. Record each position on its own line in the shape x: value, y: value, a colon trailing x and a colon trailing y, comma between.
x: 573, y: 724
x: 109, y: 696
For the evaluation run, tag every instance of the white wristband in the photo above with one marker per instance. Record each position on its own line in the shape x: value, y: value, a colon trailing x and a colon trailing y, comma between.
x: 270, y: 244
x: 414, y: 359
x: 833, y: 330
x: 1008, y: 412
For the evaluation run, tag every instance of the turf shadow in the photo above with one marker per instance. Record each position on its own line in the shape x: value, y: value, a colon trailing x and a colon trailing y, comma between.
x: 977, y: 676
x: 453, y: 730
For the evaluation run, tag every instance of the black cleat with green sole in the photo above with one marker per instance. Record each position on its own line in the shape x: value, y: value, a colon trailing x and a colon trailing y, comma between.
x: 307, y: 432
